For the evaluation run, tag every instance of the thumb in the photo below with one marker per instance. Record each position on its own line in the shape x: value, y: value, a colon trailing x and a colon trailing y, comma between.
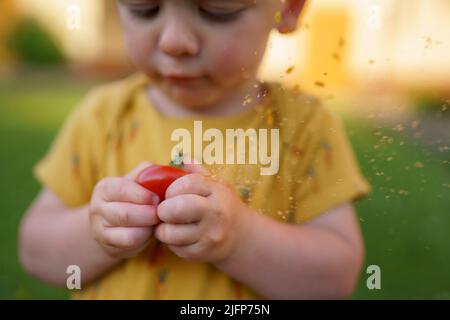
x: 195, y: 167
x: 137, y: 170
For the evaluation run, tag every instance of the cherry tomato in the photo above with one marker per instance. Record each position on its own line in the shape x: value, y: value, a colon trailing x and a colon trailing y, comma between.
x: 158, y: 178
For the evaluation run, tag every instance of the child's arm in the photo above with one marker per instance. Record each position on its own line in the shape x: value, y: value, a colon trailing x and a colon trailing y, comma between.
x: 52, y: 237
x: 321, y: 259
x: 116, y: 224
x: 204, y: 219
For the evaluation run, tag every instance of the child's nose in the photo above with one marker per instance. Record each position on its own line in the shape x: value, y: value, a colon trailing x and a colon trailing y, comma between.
x: 177, y: 39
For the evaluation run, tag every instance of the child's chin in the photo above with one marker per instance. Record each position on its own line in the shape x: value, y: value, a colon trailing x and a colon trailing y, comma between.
x: 194, y: 104
x: 193, y: 100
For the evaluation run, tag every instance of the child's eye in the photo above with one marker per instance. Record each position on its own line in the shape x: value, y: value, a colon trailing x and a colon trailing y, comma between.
x: 217, y: 16
x: 145, y: 13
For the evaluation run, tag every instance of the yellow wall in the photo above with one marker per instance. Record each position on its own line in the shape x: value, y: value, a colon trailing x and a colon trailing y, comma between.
x: 327, y: 54
x: 9, y: 10
x: 315, y: 56
x: 411, y: 47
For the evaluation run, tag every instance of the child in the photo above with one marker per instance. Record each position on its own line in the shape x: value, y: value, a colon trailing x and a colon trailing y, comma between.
x: 224, y: 231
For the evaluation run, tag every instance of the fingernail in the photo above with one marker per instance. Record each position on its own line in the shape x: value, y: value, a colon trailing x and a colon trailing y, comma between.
x: 155, y: 199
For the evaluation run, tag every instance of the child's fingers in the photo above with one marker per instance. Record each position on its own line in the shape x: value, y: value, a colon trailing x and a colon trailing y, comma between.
x: 126, y: 238
x: 124, y: 190
x: 183, y: 209
x: 120, y: 214
x: 136, y: 171
x: 177, y: 234
x: 118, y: 252
x: 196, y: 168
x: 190, y: 184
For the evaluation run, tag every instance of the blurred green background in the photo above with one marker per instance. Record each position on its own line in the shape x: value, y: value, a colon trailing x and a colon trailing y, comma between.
x: 399, y: 124
x: 406, y: 220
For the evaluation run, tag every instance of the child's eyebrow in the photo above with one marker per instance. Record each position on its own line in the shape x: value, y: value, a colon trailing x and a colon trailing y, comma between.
x: 196, y: 1
x: 125, y: 2
x: 227, y: 1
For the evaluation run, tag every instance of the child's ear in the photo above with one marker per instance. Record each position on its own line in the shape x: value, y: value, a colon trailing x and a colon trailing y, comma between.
x: 289, y: 15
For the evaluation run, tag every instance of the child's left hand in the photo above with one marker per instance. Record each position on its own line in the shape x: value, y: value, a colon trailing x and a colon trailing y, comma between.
x: 202, y: 219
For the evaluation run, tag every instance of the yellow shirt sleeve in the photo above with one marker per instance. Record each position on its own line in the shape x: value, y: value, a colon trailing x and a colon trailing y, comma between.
x: 69, y: 167
x: 332, y: 177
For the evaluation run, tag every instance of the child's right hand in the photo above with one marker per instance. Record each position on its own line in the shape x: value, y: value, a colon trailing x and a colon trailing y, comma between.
x: 122, y: 214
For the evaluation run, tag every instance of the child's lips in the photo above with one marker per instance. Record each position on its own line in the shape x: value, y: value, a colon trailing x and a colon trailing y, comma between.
x: 177, y: 78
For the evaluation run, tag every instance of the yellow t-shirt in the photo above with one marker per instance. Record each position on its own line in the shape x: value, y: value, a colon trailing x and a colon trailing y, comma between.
x: 116, y: 127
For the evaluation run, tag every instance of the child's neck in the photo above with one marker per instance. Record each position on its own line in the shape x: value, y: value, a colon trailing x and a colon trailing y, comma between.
x: 245, y: 98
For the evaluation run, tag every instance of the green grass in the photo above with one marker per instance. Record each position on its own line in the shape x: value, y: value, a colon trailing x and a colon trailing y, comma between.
x: 31, y: 112
x: 405, y: 220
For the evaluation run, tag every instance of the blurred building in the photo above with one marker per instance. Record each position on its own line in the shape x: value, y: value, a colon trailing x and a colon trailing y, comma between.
x: 339, y: 43
x: 355, y: 43
x: 8, y: 9
x: 87, y: 31
x: 411, y: 46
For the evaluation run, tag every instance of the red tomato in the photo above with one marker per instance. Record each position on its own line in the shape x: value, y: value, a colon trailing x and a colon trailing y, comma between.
x: 158, y: 178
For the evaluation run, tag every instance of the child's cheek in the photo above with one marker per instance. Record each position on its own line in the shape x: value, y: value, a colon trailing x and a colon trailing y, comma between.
x: 139, y: 51
x: 231, y: 60
x: 236, y: 53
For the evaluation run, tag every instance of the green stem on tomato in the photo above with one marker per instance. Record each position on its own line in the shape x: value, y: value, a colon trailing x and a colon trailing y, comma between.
x: 178, y: 161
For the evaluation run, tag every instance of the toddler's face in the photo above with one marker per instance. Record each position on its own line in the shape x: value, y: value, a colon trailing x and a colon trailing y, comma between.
x: 198, y: 51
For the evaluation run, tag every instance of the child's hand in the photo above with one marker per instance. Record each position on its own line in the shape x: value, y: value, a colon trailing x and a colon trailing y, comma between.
x: 201, y: 219
x: 122, y: 214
